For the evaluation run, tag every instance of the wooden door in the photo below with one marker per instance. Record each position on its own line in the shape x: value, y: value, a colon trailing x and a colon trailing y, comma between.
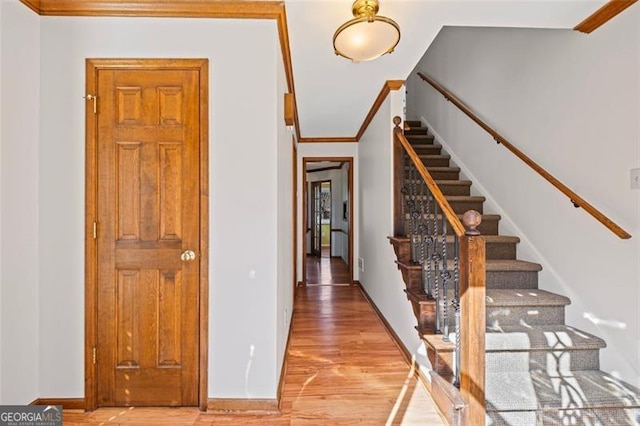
x: 148, y: 237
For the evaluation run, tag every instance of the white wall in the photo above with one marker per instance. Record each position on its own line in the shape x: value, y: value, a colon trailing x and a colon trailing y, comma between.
x: 571, y: 102
x: 19, y: 175
x: 1, y: 334
x: 317, y: 150
x: 381, y: 278
x: 243, y: 190
x: 285, y: 279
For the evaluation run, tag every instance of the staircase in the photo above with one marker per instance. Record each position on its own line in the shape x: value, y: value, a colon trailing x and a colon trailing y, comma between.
x: 539, y: 370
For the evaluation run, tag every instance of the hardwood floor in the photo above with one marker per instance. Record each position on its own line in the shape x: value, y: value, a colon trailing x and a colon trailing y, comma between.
x: 343, y: 369
x: 326, y: 270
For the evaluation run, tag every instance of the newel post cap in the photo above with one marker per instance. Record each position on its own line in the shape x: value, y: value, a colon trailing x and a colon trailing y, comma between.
x: 471, y: 219
x: 397, y: 121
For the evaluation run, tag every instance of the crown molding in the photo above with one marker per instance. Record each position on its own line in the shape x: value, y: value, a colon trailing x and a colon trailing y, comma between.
x: 209, y: 9
x: 150, y: 8
x: 387, y: 87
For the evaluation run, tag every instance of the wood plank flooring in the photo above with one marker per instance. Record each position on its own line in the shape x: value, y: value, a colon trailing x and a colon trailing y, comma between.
x: 326, y: 270
x: 343, y: 369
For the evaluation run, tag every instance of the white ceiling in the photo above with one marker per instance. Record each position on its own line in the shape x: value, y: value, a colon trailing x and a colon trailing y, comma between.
x: 334, y: 95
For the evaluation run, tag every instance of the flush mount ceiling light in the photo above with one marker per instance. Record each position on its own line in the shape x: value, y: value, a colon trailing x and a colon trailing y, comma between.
x: 367, y: 36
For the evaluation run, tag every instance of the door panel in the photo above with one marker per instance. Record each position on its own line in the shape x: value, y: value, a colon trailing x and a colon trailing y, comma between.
x: 148, y: 197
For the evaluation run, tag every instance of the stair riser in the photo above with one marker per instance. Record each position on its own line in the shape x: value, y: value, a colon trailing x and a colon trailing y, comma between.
x: 593, y: 416
x: 413, y: 123
x: 455, y: 189
x: 495, y: 250
x: 460, y: 206
x: 450, y: 189
x: 444, y: 175
x: 435, y: 162
x: 587, y: 359
x: 416, y: 131
x: 427, y: 149
x: 512, y: 279
x: 532, y: 315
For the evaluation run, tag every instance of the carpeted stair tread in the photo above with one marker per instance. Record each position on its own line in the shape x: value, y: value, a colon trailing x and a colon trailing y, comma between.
x: 518, y: 338
x: 433, y: 156
x: 506, y: 265
x: 521, y: 391
x: 511, y: 265
x: 600, y: 416
x: 443, y: 182
x: 453, y: 182
x: 417, y: 140
x: 415, y: 131
x: 419, y: 133
x: 485, y: 217
x: 524, y: 297
x: 495, y: 239
x: 443, y: 169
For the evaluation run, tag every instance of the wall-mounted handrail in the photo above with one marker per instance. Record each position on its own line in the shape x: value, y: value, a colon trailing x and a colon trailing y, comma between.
x: 446, y: 209
x: 573, y: 197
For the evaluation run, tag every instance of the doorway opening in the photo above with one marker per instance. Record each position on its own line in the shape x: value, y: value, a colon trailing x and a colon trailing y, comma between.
x: 328, y: 218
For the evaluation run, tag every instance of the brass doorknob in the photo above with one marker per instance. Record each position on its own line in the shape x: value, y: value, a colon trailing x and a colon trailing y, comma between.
x: 188, y: 255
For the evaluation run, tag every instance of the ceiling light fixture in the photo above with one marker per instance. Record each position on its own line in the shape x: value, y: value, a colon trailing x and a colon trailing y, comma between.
x: 367, y: 36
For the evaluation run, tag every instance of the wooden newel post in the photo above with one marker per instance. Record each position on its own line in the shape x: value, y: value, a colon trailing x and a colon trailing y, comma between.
x: 472, y: 318
x: 398, y: 180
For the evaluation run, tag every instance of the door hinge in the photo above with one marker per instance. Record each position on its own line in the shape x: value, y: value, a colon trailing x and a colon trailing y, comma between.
x: 94, y: 354
x: 95, y: 230
x: 93, y: 98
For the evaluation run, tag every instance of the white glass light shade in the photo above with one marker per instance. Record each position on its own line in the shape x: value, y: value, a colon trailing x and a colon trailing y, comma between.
x: 366, y: 38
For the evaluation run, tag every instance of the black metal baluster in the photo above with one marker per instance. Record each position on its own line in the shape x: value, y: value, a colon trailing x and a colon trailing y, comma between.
x: 445, y: 282
x: 429, y: 281
x: 435, y: 256
x: 412, y: 209
x: 456, y: 309
x: 421, y: 230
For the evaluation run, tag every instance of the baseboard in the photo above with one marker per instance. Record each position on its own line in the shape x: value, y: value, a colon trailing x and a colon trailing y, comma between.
x: 214, y: 404
x: 454, y: 413
x: 405, y: 352
x: 241, y: 404
x: 285, y: 362
x: 67, y: 403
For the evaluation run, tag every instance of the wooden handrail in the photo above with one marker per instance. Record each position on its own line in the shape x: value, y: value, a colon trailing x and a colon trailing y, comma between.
x: 446, y: 209
x: 573, y: 197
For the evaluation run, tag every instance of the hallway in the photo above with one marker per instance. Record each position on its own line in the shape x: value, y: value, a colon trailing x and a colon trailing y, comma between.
x: 343, y: 368
x: 326, y: 270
